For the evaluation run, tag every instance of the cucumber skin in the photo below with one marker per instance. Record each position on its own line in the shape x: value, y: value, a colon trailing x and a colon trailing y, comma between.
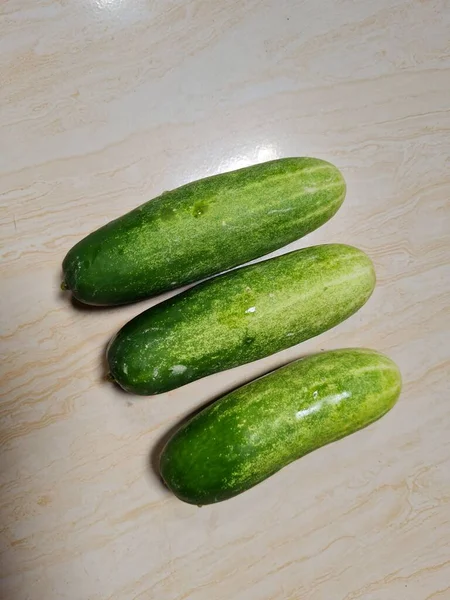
x: 256, y: 430
x: 203, y: 228
x: 240, y: 317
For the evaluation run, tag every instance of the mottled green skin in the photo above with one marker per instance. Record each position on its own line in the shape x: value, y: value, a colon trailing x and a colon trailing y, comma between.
x: 203, y: 228
x: 260, y: 428
x: 239, y: 317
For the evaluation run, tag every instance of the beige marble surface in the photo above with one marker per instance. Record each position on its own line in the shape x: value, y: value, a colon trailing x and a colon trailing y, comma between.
x: 106, y: 103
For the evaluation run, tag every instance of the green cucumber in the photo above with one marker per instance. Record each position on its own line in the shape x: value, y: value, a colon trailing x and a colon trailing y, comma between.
x: 239, y: 317
x: 258, y: 429
x: 203, y: 228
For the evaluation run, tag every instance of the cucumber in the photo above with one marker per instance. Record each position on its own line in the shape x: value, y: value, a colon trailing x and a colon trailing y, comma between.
x: 256, y: 430
x: 203, y: 228
x: 239, y: 317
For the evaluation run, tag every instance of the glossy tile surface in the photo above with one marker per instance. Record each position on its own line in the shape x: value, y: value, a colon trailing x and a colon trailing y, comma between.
x: 103, y: 105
